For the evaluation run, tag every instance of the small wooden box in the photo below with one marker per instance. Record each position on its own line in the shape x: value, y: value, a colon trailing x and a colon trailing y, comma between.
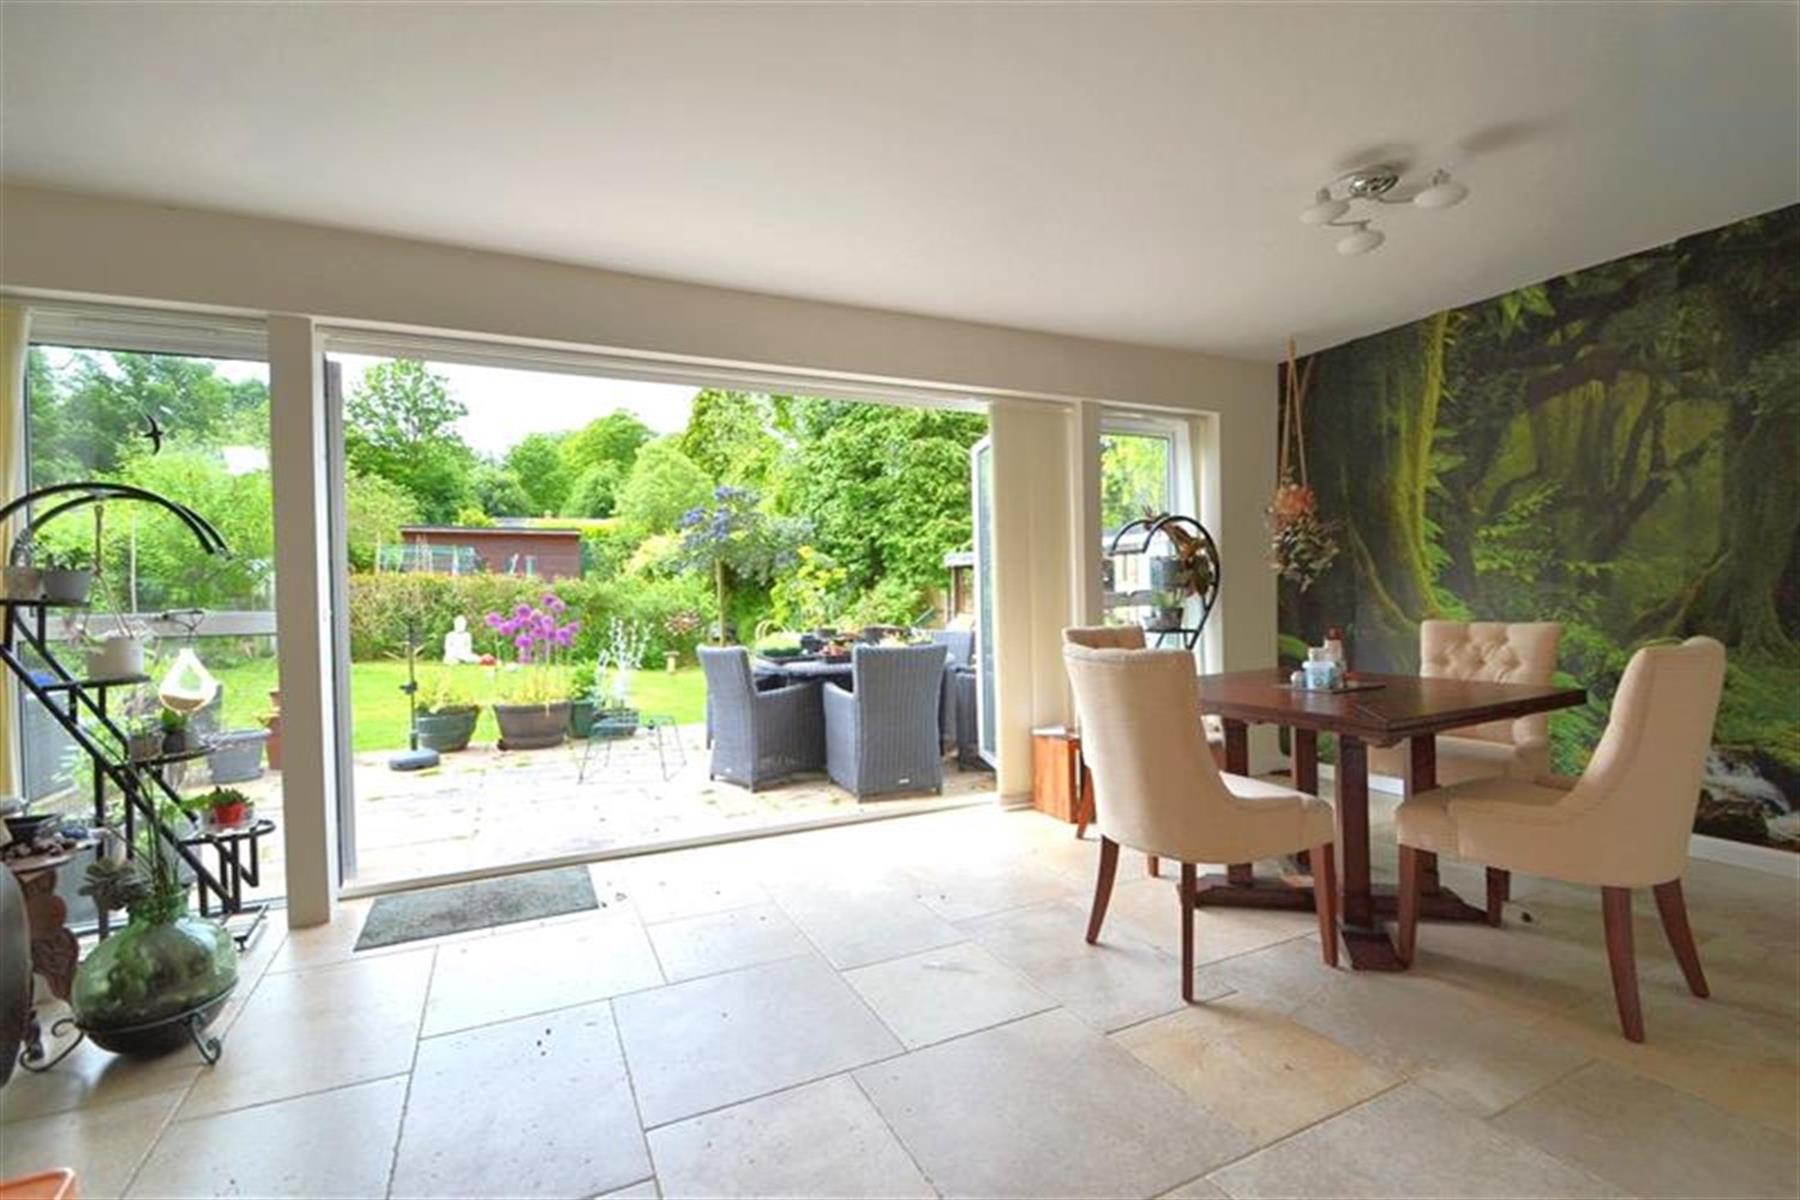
x: 1055, y: 760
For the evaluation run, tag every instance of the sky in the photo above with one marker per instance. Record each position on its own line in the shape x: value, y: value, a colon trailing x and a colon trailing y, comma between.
x: 506, y: 404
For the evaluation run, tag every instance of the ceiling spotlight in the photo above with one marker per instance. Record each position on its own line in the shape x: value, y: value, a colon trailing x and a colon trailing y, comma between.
x: 1362, y: 241
x: 1442, y: 192
x: 1377, y: 184
x: 1324, y: 209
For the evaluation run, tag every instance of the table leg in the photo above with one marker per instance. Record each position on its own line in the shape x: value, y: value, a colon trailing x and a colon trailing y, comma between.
x: 1423, y: 750
x: 1237, y: 762
x: 1370, y: 949
x: 1306, y: 776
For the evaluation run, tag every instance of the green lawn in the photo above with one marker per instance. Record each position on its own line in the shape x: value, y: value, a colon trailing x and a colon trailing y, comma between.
x: 378, y: 706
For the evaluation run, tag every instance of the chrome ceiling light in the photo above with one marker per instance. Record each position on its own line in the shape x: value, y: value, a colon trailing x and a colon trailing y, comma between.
x: 1379, y: 184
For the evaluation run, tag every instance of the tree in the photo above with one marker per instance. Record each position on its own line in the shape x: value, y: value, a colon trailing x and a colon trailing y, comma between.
x: 537, y: 461
x: 664, y: 484
x: 375, y: 509
x: 615, y: 438
x: 731, y: 538
x: 87, y: 416
x: 886, y: 489
x: 1134, y: 476
x: 730, y: 435
x: 401, y: 425
x: 595, y: 492
x: 498, y: 491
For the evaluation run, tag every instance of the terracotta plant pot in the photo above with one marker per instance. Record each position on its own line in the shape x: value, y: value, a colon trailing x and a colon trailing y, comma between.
x: 532, y: 726
x: 230, y: 814
x: 272, y: 747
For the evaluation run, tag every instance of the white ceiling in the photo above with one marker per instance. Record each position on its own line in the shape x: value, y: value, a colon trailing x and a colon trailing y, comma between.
x: 1127, y: 172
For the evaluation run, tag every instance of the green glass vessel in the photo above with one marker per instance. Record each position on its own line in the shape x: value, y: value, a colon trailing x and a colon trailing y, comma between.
x: 150, y: 986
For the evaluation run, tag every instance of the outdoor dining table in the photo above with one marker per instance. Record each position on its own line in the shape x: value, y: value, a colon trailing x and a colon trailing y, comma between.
x: 1382, y: 711
x: 805, y: 670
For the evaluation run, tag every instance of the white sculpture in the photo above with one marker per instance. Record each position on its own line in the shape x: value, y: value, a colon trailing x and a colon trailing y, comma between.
x: 459, y: 644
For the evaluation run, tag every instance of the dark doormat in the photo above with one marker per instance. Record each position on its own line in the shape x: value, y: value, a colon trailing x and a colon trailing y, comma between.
x: 461, y: 907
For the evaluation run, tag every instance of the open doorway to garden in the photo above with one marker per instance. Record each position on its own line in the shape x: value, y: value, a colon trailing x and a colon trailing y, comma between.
x: 549, y: 556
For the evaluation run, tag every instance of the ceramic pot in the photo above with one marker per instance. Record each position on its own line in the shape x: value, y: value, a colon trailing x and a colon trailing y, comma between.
x: 532, y: 726
x: 581, y: 718
x: 22, y: 583
x: 448, y: 729
x: 237, y: 755
x: 116, y: 657
x: 67, y: 586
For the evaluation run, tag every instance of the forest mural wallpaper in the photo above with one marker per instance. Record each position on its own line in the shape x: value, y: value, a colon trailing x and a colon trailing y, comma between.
x: 1617, y: 449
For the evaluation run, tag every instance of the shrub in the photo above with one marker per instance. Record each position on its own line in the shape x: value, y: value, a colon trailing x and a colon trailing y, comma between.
x: 380, y: 606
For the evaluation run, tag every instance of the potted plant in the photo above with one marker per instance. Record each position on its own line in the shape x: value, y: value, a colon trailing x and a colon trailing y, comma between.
x: 223, y: 806
x: 447, y: 712
x: 22, y: 579
x: 174, y: 731
x: 1167, y: 608
x: 152, y: 986
x: 627, y: 642
x: 584, y: 700
x: 67, y: 575
x: 143, y: 738
x: 532, y: 705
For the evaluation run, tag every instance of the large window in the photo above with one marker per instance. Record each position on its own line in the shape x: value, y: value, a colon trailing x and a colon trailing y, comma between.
x: 195, y: 430
x: 1137, y: 476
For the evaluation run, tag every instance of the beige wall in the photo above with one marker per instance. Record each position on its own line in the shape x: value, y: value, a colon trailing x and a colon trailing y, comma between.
x: 63, y: 244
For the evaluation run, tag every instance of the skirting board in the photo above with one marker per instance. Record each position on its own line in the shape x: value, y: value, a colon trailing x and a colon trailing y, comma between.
x: 1710, y: 849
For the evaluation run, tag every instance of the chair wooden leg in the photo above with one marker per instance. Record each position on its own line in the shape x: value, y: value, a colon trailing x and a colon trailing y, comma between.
x: 1187, y: 891
x: 1499, y: 891
x: 1673, y: 907
x: 1323, y: 860
x: 1103, y: 883
x: 1615, y: 903
x: 1153, y: 866
x: 1406, y: 927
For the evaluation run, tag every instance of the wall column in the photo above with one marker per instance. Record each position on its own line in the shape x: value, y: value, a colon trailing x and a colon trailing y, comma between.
x: 1086, y: 602
x: 1032, y: 573
x: 299, y: 454
x: 15, y: 345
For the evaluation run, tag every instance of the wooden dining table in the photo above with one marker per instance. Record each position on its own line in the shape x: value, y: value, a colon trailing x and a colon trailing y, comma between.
x: 1384, y: 711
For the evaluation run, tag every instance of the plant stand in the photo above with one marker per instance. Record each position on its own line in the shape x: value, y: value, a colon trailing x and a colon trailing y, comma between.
x: 1143, y: 538
x: 81, y: 708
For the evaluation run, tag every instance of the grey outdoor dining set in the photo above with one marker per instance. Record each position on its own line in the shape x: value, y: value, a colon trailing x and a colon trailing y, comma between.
x: 878, y: 724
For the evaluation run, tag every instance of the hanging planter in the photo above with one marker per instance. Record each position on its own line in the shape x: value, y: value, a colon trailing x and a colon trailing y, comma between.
x: 1302, y: 544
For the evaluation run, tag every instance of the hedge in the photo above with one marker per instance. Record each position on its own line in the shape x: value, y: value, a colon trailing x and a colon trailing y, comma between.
x: 382, y: 604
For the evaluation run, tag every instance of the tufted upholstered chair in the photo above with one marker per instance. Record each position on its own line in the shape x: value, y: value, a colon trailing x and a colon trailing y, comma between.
x: 1623, y: 824
x: 1163, y: 794
x: 1498, y: 652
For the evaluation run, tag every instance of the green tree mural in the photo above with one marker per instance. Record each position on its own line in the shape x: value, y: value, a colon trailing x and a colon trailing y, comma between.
x: 1616, y: 449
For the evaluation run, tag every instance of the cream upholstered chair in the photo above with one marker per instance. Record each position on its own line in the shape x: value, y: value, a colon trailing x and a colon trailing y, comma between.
x: 1161, y: 793
x: 1624, y: 824
x: 1124, y: 637
x: 1497, y: 652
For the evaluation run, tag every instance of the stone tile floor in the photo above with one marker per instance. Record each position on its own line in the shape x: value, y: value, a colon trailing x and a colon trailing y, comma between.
x: 484, y: 808
x: 907, y: 1008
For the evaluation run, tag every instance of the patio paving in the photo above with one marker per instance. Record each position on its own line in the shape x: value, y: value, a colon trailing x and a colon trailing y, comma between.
x: 484, y: 807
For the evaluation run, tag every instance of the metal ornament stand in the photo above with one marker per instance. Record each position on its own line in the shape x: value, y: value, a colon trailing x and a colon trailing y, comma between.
x: 1159, y: 537
x: 80, y: 708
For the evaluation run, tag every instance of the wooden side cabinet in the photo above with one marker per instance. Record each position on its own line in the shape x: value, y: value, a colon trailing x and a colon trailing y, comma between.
x: 1055, y: 765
